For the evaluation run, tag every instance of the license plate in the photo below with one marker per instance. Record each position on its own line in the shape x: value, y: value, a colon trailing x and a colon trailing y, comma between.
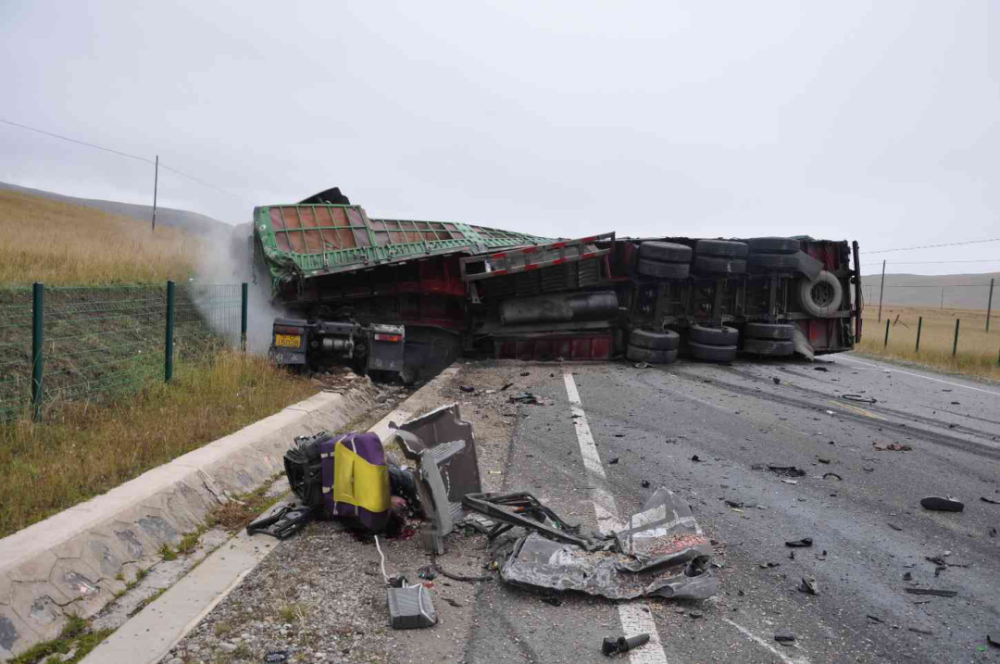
x: 287, y: 340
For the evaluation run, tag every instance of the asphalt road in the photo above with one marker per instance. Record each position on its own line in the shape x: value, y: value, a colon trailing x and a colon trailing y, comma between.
x: 868, y: 527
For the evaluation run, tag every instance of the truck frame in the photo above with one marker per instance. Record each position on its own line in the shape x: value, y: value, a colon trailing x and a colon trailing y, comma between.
x: 408, y: 297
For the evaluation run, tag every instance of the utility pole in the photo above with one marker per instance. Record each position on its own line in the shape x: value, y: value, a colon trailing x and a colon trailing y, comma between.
x: 881, y: 291
x: 989, y: 306
x: 156, y: 182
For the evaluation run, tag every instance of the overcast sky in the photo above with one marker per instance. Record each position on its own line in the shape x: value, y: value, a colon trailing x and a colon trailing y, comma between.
x: 875, y: 121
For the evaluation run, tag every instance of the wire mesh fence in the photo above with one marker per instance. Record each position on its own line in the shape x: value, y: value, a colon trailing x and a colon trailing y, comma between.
x: 108, y: 341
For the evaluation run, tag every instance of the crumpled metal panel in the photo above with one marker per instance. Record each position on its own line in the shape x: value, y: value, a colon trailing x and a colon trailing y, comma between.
x: 662, y: 552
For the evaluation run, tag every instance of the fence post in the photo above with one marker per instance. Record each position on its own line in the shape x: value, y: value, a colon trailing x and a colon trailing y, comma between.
x: 244, y: 291
x: 168, y: 362
x: 886, y: 333
x: 989, y: 306
x: 37, y: 348
x: 881, y: 291
x: 954, y: 348
x: 920, y: 325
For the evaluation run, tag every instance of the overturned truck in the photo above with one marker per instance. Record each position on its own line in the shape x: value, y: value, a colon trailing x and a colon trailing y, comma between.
x: 408, y: 297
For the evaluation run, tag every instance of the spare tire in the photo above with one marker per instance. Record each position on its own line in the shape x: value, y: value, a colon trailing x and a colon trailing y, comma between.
x: 821, y: 298
x: 664, y: 270
x: 665, y: 252
x: 714, y: 336
x: 769, y: 347
x: 668, y: 340
x: 781, y: 332
x: 773, y: 261
x: 726, y: 248
x: 708, y: 353
x: 774, y: 245
x: 713, y: 265
x: 637, y: 354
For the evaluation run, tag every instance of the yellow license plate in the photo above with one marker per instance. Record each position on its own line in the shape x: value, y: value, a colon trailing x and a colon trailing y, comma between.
x: 287, y: 340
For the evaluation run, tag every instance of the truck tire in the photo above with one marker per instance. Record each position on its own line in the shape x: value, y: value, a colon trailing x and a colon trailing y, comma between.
x: 774, y: 245
x: 707, y: 353
x: 668, y: 340
x: 821, y: 298
x: 779, y: 332
x: 767, y: 262
x: 665, y: 252
x: 714, y: 336
x: 637, y: 354
x: 769, y: 347
x: 724, y: 248
x: 664, y: 270
x: 715, y: 265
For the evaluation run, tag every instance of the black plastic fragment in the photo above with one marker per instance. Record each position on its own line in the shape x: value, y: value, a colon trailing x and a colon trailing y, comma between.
x: 938, y: 504
x: 805, y: 542
x: 613, y: 646
x: 931, y: 591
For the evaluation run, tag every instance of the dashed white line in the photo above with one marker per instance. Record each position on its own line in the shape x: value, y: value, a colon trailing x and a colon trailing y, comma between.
x: 764, y: 644
x: 635, y: 617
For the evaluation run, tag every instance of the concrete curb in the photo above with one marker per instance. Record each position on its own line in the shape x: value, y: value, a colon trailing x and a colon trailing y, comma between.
x: 73, y: 563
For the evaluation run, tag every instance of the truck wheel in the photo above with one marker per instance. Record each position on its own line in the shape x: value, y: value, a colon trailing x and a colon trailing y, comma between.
x: 664, y: 270
x: 724, y: 248
x: 714, y: 336
x: 721, y: 266
x: 708, y: 353
x: 773, y: 261
x: 774, y: 245
x: 665, y: 252
x: 668, y: 340
x: 821, y: 298
x: 780, y: 332
x: 768, y: 347
x: 637, y: 354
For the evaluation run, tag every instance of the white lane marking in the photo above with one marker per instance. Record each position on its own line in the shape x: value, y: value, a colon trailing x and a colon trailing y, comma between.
x: 916, y: 375
x: 635, y: 617
x: 764, y: 644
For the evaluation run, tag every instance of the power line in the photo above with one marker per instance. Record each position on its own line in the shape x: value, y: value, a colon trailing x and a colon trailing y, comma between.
x: 124, y: 154
x: 73, y: 140
x: 934, y: 246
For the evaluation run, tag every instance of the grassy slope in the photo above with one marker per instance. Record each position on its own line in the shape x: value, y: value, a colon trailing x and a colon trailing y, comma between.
x: 82, y: 449
x: 977, y: 350
x: 70, y: 245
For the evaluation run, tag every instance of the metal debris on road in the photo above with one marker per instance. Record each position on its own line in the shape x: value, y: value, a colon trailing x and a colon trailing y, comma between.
x: 939, y: 504
x: 989, y: 500
x: 613, y: 646
x: 527, y: 398
x: 662, y: 552
x: 468, y: 389
x: 931, y: 591
x: 276, y: 657
x: 809, y: 586
x: 805, y: 542
x: 917, y: 630
x: 695, y: 458
x: 892, y: 447
x: 826, y: 475
x: 787, y: 471
x: 894, y: 526
x: 859, y: 398
x: 820, y: 369
x: 783, y: 637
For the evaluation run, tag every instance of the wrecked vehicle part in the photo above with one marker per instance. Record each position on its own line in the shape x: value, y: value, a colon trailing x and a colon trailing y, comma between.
x: 617, y: 646
x: 859, y: 398
x: 661, y: 553
x: 410, y: 606
x: 526, y: 511
x: 443, y: 447
x: 938, y: 504
x: 283, y: 519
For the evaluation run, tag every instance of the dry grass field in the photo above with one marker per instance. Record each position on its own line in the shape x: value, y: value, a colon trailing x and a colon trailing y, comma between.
x: 977, y: 350
x: 87, y: 449
x: 70, y: 245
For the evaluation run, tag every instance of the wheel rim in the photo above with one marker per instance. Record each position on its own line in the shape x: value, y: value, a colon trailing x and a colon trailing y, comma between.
x: 822, y: 294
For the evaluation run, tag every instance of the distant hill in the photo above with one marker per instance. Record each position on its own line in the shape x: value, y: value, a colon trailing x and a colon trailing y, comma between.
x: 191, y: 222
x: 961, y: 291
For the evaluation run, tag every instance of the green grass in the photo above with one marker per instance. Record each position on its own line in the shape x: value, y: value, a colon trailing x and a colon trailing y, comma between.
x: 85, y: 449
x: 76, y: 636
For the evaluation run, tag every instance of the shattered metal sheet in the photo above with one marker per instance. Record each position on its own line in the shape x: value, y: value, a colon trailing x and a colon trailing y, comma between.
x: 662, y: 552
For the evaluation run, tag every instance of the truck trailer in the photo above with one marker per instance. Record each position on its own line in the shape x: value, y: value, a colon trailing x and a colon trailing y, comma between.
x: 405, y: 298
